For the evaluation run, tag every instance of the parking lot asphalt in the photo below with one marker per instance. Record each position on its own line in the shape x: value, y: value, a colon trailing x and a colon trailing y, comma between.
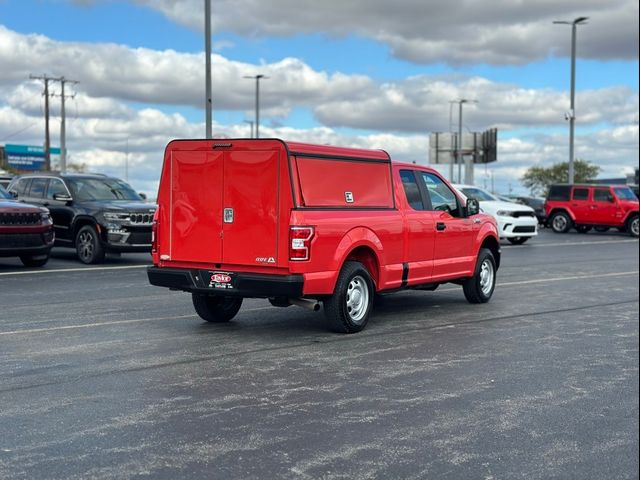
x: 105, y: 376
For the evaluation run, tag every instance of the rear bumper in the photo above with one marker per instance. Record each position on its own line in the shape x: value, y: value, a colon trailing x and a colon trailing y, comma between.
x: 247, y: 285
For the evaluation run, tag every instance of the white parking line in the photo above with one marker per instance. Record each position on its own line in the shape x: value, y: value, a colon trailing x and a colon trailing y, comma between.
x: 451, y: 289
x: 570, y: 244
x: 117, y: 322
x: 61, y: 270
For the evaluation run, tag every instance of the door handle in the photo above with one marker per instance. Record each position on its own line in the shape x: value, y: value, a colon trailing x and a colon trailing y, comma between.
x: 440, y: 226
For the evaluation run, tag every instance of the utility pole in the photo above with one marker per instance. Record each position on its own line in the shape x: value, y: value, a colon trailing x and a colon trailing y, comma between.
x: 63, y: 128
x: 459, y: 144
x: 251, y: 126
x: 207, y: 43
x: 572, y: 112
x: 257, y: 78
x: 47, y: 143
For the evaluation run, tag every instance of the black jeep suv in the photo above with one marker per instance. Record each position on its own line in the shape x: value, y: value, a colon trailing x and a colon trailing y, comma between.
x: 92, y: 213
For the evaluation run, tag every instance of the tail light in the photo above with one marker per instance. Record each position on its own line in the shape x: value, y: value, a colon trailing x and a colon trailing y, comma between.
x: 300, y: 243
x: 154, y: 233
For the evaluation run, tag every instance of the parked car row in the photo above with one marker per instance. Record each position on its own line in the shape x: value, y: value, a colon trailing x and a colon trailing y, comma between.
x: 94, y: 214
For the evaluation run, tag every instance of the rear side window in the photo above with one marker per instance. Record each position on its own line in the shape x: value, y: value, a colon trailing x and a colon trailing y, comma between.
x: 411, y: 189
x: 38, y: 186
x: 21, y: 186
x: 559, y: 192
x: 580, y: 193
x: 602, y: 195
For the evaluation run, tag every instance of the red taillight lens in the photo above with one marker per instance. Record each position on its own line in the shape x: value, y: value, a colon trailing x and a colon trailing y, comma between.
x: 300, y: 243
x: 154, y: 234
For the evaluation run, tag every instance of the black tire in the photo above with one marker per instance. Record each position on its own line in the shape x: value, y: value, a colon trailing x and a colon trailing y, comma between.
x: 216, y: 309
x: 518, y: 240
x: 480, y: 287
x: 601, y: 229
x: 34, y: 260
x: 583, y: 228
x: 348, y: 309
x: 632, y: 226
x: 560, y: 222
x: 88, y: 245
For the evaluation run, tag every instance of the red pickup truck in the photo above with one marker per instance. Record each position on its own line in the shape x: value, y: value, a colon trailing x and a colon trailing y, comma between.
x: 301, y: 224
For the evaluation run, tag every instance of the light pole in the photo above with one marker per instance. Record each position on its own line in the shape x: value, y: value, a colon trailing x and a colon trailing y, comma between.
x: 572, y: 112
x: 257, y: 77
x: 207, y: 44
x: 250, y: 126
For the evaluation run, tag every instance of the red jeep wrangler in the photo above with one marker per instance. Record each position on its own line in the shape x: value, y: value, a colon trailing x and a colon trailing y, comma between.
x: 584, y: 207
x: 299, y: 224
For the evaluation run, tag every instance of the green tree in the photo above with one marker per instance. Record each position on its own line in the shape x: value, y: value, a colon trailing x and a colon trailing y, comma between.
x: 538, y: 179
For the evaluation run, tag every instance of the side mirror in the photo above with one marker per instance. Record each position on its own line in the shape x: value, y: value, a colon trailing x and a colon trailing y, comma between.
x: 13, y: 193
x: 143, y: 195
x: 473, y: 207
x: 62, y: 197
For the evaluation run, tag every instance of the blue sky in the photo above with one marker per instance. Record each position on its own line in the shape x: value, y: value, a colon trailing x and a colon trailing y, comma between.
x: 520, y: 73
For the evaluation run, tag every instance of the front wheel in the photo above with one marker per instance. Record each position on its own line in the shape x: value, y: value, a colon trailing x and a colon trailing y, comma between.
x: 632, y: 226
x: 216, y: 309
x: 88, y: 246
x: 518, y: 240
x: 347, y: 310
x: 34, y: 260
x: 480, y: 287
x: 560, y: 222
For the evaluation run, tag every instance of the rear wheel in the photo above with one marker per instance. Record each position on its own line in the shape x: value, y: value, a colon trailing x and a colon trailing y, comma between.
x: 518, y: 240
x: 480, y: 287
x: 88, y: 246
x: 34, y: 260
x: 347, y: 310
x: 601, y: 229
x: 560, y: 222
x: 632, y: 226
x: 216, y: 309
x: 583, y: 228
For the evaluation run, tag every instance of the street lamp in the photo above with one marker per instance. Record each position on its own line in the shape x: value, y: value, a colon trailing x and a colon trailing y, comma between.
x: 572, y: 111
x: 459, y: 142
x: 257, y: 78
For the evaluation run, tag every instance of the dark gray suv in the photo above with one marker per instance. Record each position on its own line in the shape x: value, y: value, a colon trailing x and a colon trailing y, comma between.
x: 92, y: 213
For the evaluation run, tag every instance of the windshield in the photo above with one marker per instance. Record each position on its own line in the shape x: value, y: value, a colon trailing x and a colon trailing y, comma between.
x: 478, y: 194
x: 625, y: 193
x: 102, y: 189
x: 4, y: 194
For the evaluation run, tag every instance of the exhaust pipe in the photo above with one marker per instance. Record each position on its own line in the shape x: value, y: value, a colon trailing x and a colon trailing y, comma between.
x: 312, y: 305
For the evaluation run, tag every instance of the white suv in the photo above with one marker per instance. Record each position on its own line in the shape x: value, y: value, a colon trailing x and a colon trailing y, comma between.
x: 517, y: 223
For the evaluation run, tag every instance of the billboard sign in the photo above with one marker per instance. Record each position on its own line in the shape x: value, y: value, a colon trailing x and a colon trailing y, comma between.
x: 27, y: 157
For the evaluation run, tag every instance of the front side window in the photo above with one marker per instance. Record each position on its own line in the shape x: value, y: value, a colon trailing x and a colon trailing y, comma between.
x: 86, y: 189
x: 625, y: 193
x: 580, y: 193
x: 411, y: 189
x: 21, y: 186
x: 442, y: 197
x: 56, y: 187
x: 602, y: 195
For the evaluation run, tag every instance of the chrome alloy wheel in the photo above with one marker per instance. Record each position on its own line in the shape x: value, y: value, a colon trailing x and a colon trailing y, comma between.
x: 357, y: 299
x: 559, y: 223
x: 634, y: 227
x: 487, y: 277
x: 85, y: 244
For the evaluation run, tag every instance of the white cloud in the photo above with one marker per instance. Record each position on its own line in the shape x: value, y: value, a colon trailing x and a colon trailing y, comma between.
x: 425, y: 31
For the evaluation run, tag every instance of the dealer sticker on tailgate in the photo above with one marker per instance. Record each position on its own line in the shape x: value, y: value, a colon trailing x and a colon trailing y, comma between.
x: 220, y: 280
